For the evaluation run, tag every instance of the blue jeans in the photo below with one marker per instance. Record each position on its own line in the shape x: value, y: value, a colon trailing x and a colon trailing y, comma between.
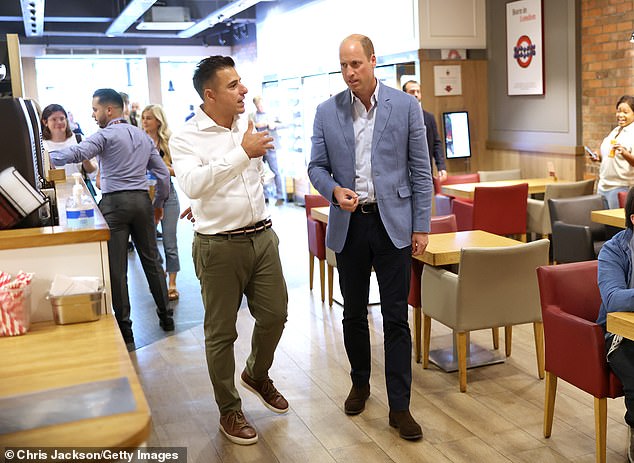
x: 612, y: 196
x: 169, y: 223
x: 271, y: 159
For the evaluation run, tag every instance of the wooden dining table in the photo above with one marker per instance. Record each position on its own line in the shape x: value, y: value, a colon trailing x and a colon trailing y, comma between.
x: 612, y: 217
x: 71, y: 386
x: 621, y: 323
x: 444, y: 249
x: 467, y: 190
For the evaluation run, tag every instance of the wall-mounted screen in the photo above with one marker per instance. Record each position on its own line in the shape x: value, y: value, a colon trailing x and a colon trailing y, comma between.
x: 456, y: 130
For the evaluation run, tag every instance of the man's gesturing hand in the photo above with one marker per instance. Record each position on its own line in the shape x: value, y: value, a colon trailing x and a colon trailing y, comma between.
x: 255, y: 144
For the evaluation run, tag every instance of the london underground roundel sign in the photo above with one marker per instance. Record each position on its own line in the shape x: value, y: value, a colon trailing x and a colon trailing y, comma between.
x: 524, y: 51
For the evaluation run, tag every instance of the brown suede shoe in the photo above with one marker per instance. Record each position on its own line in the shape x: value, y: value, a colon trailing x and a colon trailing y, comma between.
x: 355, y: 403
x: 407, y: 427
x: 268, y: 394
x: 237, y: 429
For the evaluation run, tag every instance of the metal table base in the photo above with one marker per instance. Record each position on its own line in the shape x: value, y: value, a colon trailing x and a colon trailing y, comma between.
x: 447, y: 358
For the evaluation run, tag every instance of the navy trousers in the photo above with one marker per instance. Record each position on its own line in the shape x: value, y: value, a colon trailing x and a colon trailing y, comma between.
x: 369, y: 246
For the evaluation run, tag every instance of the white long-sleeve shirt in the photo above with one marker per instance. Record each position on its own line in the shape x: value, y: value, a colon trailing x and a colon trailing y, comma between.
x: 224, y: 185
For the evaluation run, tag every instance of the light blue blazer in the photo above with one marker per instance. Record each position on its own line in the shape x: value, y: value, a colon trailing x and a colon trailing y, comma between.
x: 400, y: 164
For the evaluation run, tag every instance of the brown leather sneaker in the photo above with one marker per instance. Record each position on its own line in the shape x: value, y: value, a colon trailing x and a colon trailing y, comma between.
x: 267, y: 393
x: 407, y: 427
x: 355, y: 403
x: 237, y: 429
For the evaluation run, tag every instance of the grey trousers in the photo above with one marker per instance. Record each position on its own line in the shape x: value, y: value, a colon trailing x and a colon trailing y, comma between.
x: 228, y: 268
x: 130, y: 213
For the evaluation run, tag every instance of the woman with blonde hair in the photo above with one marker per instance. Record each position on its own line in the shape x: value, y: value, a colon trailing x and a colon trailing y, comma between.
x: 154, y: 123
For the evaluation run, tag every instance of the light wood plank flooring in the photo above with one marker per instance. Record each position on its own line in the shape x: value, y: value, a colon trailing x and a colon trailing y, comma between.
x: 499, y: 419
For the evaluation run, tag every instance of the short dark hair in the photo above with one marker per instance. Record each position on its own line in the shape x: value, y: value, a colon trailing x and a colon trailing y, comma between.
x: 50, y: 109
x: 629, y: 208
x: 626, y: 99
x: 207, y: 69
x: 108, y: 96
x: 408, y: 82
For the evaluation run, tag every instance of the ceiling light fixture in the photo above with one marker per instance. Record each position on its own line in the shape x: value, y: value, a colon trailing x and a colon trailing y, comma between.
x: 164, y: 25
x: 33, y: 17
x: 218, y: 16
x: 632, y: 38
x: 166, y: 18
x: 131, y: 13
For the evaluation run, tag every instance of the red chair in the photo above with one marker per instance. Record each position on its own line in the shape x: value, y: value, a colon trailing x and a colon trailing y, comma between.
x: 574, y: 343
x: 439, y: 224
x: 622, y: 195
x: 500, y: 210
x: 316, y: 241
x: 442, y: 201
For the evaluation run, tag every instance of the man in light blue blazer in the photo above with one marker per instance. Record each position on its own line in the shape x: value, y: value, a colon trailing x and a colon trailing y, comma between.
x: 370, y: 159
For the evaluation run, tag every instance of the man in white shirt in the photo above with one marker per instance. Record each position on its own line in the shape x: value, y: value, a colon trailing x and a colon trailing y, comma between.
x: 218, y: 164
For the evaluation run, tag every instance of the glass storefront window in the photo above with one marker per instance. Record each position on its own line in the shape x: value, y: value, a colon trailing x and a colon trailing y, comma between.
x: 71, y: 81
x: 177, y: 89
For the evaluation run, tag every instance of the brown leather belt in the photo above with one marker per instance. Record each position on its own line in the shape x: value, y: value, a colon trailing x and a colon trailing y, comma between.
x: 250, y: 230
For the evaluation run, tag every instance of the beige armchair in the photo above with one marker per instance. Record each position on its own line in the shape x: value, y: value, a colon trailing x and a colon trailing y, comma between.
x: 494, y: 175
x: 538, y: 217
x: 495, y: 287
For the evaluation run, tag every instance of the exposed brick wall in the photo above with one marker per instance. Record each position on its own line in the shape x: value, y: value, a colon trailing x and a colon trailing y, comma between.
x: 607, y: 65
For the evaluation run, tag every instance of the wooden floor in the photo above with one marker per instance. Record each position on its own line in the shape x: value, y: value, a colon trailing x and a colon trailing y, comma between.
x: 499, y: 419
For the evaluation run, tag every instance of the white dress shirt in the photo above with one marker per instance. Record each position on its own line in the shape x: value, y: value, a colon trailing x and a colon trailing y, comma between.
x: 214, y: 171
x: 363, y: 124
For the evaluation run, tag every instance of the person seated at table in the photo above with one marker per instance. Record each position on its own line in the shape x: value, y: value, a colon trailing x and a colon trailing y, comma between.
x: 616, y: 284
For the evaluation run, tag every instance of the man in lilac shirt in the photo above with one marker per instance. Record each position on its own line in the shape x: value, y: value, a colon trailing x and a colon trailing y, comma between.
x: 125, y: 154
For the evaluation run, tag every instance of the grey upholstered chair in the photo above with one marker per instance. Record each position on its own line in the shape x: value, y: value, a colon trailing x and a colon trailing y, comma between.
x: 495, y: 287
x: 494, y: 175
x: 575, y: 236
x: 538, y: 219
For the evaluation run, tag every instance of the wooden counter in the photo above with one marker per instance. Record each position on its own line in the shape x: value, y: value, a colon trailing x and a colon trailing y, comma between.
x: 52, y: 250
x: 57, y: 235
x: 53, y: 356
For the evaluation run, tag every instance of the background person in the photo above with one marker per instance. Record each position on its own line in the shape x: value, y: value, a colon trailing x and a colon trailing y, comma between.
x: 57, y: 134
x: 126, y: 153
x: 617, y: 295
x: 217, y: 159
x: 431, y: 131
x: 135, y: 115
x: 155, y: 125
x: 617, y: 160
x: 263, y: 122
x: 74, y: 125
x: 369, y: 158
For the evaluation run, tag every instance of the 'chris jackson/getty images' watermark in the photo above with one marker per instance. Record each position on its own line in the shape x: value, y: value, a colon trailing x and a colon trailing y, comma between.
x: 129, y: 455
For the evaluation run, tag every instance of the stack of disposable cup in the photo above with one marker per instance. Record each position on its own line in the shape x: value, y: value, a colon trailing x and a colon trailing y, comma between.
x: 15, y: 307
